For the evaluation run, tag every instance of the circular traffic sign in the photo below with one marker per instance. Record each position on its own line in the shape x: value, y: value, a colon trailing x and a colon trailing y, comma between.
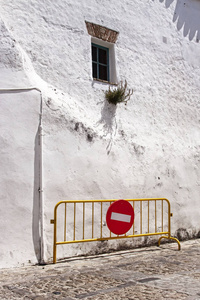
x: 120, y: 217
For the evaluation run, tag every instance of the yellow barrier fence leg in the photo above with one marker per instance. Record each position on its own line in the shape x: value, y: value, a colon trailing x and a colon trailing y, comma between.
x: 170, y: 238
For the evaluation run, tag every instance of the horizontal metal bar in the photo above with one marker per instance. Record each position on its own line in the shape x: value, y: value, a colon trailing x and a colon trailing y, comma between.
x: 111, y: 238
x: 108, y: 200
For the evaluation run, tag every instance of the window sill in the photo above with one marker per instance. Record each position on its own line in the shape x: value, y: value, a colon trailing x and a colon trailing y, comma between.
x: 104, y: 81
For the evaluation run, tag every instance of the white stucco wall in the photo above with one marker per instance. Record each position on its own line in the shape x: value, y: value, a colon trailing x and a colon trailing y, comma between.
x: 149, y: 148
x: 19, y: 175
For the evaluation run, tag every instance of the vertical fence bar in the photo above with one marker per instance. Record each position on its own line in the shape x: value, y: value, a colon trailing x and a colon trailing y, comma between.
x: 65, y: 228
x: 92, y: 220
x: 134, y: 220
x: 155, y: 218
x: 74, y: 220
x: 162, y: 217
x: 55, y: 235
x: 148, y: 216
x: 169, y: 219
x: 140, y: 217
x: 101, y: 217
x: 110, y: 231
x: 83, y: 220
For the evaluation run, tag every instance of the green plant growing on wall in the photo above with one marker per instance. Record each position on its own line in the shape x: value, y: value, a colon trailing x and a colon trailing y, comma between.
x: 121, y: 94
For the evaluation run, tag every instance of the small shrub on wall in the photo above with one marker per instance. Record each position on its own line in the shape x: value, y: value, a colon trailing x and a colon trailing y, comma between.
x: 120, y: 94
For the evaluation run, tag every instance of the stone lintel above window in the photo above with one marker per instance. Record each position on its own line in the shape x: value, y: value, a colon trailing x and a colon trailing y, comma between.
x: 101, y: 32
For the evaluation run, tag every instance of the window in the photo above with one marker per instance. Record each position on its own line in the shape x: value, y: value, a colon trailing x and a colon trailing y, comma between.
x: 103, y: 42
x: 100, y: 62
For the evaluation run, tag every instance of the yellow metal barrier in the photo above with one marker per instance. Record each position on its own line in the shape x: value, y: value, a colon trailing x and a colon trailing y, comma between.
x: 152, y: 217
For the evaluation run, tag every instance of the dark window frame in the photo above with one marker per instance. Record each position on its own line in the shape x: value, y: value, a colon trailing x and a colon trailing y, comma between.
x: 98, y: 64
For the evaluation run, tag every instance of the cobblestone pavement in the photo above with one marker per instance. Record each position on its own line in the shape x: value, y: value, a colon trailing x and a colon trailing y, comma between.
x: 146, y: 273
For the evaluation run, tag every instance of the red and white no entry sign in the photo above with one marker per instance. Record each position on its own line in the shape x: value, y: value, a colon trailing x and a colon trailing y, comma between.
x: 120, y: 217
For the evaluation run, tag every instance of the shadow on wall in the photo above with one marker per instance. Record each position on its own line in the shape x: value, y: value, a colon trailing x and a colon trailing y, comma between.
x: 187, y: 17
x: 108, y: 120
x: 36, y: 203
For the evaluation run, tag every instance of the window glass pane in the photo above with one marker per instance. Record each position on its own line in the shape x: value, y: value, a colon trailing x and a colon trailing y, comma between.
x: 94, y: 53
x: 102, y: 56
x: 103, y: 72
x: 100, y: 64
x: 94, y: 70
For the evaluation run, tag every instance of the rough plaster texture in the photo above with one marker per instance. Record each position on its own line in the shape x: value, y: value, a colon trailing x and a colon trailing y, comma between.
x: 149, y: 148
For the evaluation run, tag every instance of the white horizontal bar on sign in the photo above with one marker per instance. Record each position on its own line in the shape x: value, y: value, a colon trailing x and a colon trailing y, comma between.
x: 120, y: 217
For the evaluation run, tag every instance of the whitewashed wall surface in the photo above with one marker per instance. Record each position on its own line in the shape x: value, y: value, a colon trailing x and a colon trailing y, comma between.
x: 92, y: 149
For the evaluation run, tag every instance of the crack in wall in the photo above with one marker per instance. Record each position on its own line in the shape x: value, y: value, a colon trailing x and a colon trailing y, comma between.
x: 74, y: 30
